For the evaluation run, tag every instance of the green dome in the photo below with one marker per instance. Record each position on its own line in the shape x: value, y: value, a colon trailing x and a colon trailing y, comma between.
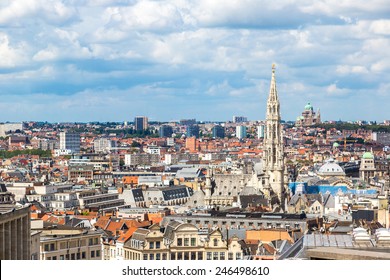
x: 368, y: 155
x: 335, y: 145
x: 308, y: 106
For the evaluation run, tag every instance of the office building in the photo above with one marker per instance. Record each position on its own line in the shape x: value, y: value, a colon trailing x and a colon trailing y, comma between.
x: 239, y: 119
x: 70, y: 141
x: 141, y: 123
x: 192, y: 131
x: 165, y: 131
x: 218, y: 131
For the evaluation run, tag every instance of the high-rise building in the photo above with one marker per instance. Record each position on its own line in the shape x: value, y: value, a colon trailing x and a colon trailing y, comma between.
x: 260, y: 131
x: 141, y: 123
x: 165, y: 131
x: 218, y: 131
x: 240, y: 132
x: 273, y: 151
x: 192, y: 131
x: 70, y: 141
x: 239, y: 119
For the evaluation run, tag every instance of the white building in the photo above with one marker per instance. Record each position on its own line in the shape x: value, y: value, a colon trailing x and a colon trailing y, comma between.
x: 70, y: 141
x: 62, y: 152
x: 153, y: 150
x: 240, y: 131
x: 103, y: 145
x: 260, y: 131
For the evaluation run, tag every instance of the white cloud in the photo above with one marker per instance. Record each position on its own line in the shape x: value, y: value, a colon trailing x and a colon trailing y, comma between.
x: 145, y: 16
x: 197, y: 49
x: 11, y: 56
x: 51, y: 11
x: 334, y: 90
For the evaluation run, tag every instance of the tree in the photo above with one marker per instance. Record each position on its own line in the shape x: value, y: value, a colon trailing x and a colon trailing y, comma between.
x: 135, y: 144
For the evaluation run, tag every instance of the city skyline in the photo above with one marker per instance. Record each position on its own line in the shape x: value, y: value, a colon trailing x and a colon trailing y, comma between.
x: 108, y: 60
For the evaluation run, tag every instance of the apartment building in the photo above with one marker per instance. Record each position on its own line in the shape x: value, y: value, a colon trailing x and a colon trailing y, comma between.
x: 70, y: 244
x: 181, y: 241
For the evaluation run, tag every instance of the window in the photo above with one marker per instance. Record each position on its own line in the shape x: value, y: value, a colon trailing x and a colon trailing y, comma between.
x: 98, y: 253
x: 62, y: 257
x: 151, y: 257
x: 158, y: 245
x: 180, y: 256
x: 208, y: 255
x: 186, y: 256
x: 230, y: 256
x: 151, y: 245
x: 164, y: 256
x: 173, y: 256
x: 78, y: 256
x: 54, y: 258
x: 200, y: 256
x: 193, y: 255
x: 179, y: 242
x: 238, y: 256
x: 73, y: 256
x: 186, y: 241
x: 158, y: 256
x: 145, y: 256
x: 193, y: 241
x: 221, y: 255
x: 215, y: 256
x: 92, y: 254
x: 215, y: 241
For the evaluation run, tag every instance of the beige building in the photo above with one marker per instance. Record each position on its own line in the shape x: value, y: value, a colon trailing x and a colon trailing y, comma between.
x: 14, y: 232
x: 35, y: 244
x: 308, y: 117
x: 181, y: 241
x: 14, y: 228
x: 367, y: 167
x: 70, y: 244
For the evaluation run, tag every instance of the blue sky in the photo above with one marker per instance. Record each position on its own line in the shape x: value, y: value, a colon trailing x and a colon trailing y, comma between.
x: 111, y: 60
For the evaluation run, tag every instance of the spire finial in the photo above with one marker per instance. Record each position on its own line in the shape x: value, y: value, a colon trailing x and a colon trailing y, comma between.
x: 273, y: 67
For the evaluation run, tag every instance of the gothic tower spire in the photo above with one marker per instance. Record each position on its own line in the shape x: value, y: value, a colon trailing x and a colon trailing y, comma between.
x: 273, y: 155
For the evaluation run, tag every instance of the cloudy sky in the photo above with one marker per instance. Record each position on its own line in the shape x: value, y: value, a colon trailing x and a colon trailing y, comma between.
x: 110, y: 60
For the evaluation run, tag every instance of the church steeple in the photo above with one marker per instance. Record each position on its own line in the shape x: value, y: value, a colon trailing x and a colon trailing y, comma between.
x: 273, y: 94
x: 273, y: 106
x: 273, y: 149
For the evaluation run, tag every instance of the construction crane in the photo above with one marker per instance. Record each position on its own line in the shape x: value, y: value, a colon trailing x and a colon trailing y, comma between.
x: 348, y: 140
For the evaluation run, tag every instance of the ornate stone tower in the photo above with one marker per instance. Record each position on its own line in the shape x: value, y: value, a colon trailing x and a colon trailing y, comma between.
x: 273, y: 150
